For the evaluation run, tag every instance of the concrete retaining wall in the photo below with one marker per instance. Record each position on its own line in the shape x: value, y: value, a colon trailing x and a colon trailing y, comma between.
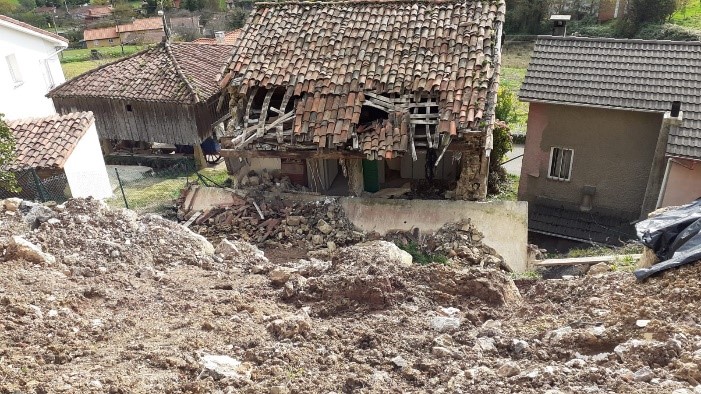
x: 503, y: 223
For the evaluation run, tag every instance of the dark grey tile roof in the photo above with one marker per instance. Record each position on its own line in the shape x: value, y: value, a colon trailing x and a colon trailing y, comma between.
x: 579, y: 226
x: 639, y: 75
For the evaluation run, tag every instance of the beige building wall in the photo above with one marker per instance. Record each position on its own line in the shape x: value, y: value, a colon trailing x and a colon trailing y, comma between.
x: 683, y: 182
x: 613, y: 152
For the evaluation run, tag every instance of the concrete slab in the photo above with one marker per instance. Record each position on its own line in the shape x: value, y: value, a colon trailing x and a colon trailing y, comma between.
x: 503, y: 223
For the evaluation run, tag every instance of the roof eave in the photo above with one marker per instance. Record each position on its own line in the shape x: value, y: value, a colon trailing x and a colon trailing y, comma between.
x: 576, y: 104
x: 61, y: 43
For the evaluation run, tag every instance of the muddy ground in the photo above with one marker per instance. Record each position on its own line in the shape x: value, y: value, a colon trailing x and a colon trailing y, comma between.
x: 139, y: 305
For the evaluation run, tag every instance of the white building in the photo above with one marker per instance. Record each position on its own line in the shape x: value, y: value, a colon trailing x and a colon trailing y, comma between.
x: 63, y: 151
x: 29, y: 68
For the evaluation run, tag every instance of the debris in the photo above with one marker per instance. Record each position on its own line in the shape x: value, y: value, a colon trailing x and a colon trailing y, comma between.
x: 219, y: 366
x: 20, y: 248
x: 241, y: 252
x: 642, y: 323
x: 442, y: 324
x: 598, y: 269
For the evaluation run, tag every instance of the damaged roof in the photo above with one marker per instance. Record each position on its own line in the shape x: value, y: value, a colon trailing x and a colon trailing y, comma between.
x: 331, y: 55
x: 48, y: 142
x: 638, y: 75
x: 169, y: 72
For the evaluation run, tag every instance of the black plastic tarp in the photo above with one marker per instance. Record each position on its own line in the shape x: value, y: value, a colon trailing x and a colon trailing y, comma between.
x: 674, y: 236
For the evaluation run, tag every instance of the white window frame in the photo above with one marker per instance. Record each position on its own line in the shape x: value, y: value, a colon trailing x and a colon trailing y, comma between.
x: 13, y: 66
x: 559, y: 177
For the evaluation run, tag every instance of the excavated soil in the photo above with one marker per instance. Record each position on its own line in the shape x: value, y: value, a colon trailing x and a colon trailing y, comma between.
x: 136, y: 304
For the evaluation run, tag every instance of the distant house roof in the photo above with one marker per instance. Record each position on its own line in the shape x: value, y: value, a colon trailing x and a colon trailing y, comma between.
x: 230, y: 38
x: 100, y: 34
x: 24, y: 27
x: 331, y: 53
x: 155, y: 23
x: 169, y: 72
x: 48, y: 142
x: 635, y: 75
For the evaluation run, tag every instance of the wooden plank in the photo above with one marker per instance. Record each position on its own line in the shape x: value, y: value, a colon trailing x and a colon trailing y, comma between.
x: 584, y: 260
x: 295, y: 154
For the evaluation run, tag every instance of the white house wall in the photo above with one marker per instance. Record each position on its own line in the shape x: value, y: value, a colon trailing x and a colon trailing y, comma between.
x: 85, y: 168
x: 36, y: 59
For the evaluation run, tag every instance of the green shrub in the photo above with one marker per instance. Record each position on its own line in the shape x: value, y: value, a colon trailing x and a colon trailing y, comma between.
x: 668, y: 31
x: 420, y: 256
x: 507, y: 105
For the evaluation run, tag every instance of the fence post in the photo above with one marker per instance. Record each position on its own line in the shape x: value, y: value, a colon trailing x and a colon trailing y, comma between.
x: 126, y: 204
x: 40, y: 188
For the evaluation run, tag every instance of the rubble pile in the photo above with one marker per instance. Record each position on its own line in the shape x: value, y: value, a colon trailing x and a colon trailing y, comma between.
x: 98, y: 300
x: 310, y: 225
x: 460, y: 241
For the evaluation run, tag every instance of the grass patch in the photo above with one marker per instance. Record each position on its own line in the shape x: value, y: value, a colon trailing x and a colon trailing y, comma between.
x: 630, y: 248
x: 84, y: 54
x: 421, y: 257
x: 508, y: 190
x: 688, y: 15
x: 515, y: 58
x: 155, y: 194
x: 72, y: 70
x: 532, y: 274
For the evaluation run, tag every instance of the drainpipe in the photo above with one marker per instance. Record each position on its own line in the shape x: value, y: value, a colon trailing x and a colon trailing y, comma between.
x: 671, y: 119
x: 664, y: 183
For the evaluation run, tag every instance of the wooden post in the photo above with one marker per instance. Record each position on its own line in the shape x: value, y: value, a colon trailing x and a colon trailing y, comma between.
x: 106, y: 145
x: 355, y: 176
x: 199, y: 157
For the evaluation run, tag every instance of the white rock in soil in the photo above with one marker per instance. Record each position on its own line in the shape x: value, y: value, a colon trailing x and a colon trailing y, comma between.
x: 21, y: 248
x: 556, y: 336
x: 576, y: 363
x: 484, y: 344
x: 324, y: 227
x: 280, y: 275
x: 598, y: 269
x: 279, y: 390
x: 519, y: 345
x: 442, y: 323
x: 220, y: 366
x: 440, y: 351
x: 508, y: 369
x: 644, y: 374
x: 12, y: 204
x: 240, y: 252
x: 449, y: 311
x: 399, y: 362
x: 642, y: 323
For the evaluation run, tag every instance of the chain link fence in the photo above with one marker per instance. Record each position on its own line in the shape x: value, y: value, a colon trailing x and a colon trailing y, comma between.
x: 144, y: 189
x: 35, y: 188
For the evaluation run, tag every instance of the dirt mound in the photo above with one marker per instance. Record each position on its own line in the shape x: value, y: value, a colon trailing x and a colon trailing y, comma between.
x: 138, y: 304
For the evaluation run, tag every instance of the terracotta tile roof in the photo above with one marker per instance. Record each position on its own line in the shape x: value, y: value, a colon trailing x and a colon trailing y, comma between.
x: 100, y: 34
x: 330, y: 54
x: 230, y: 38
x: 100, y: 11
x: 175, y: 72
x: 48, y: 142
x: 638, y: 75
x: 34, y: 29
x: 155, y: 23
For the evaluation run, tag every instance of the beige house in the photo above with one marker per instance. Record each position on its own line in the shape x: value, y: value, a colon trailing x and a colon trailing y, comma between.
x: 140, y: 31
x: 606, y: 143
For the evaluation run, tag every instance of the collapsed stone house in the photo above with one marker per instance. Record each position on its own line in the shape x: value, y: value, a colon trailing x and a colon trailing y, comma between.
x: 367, y: 89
